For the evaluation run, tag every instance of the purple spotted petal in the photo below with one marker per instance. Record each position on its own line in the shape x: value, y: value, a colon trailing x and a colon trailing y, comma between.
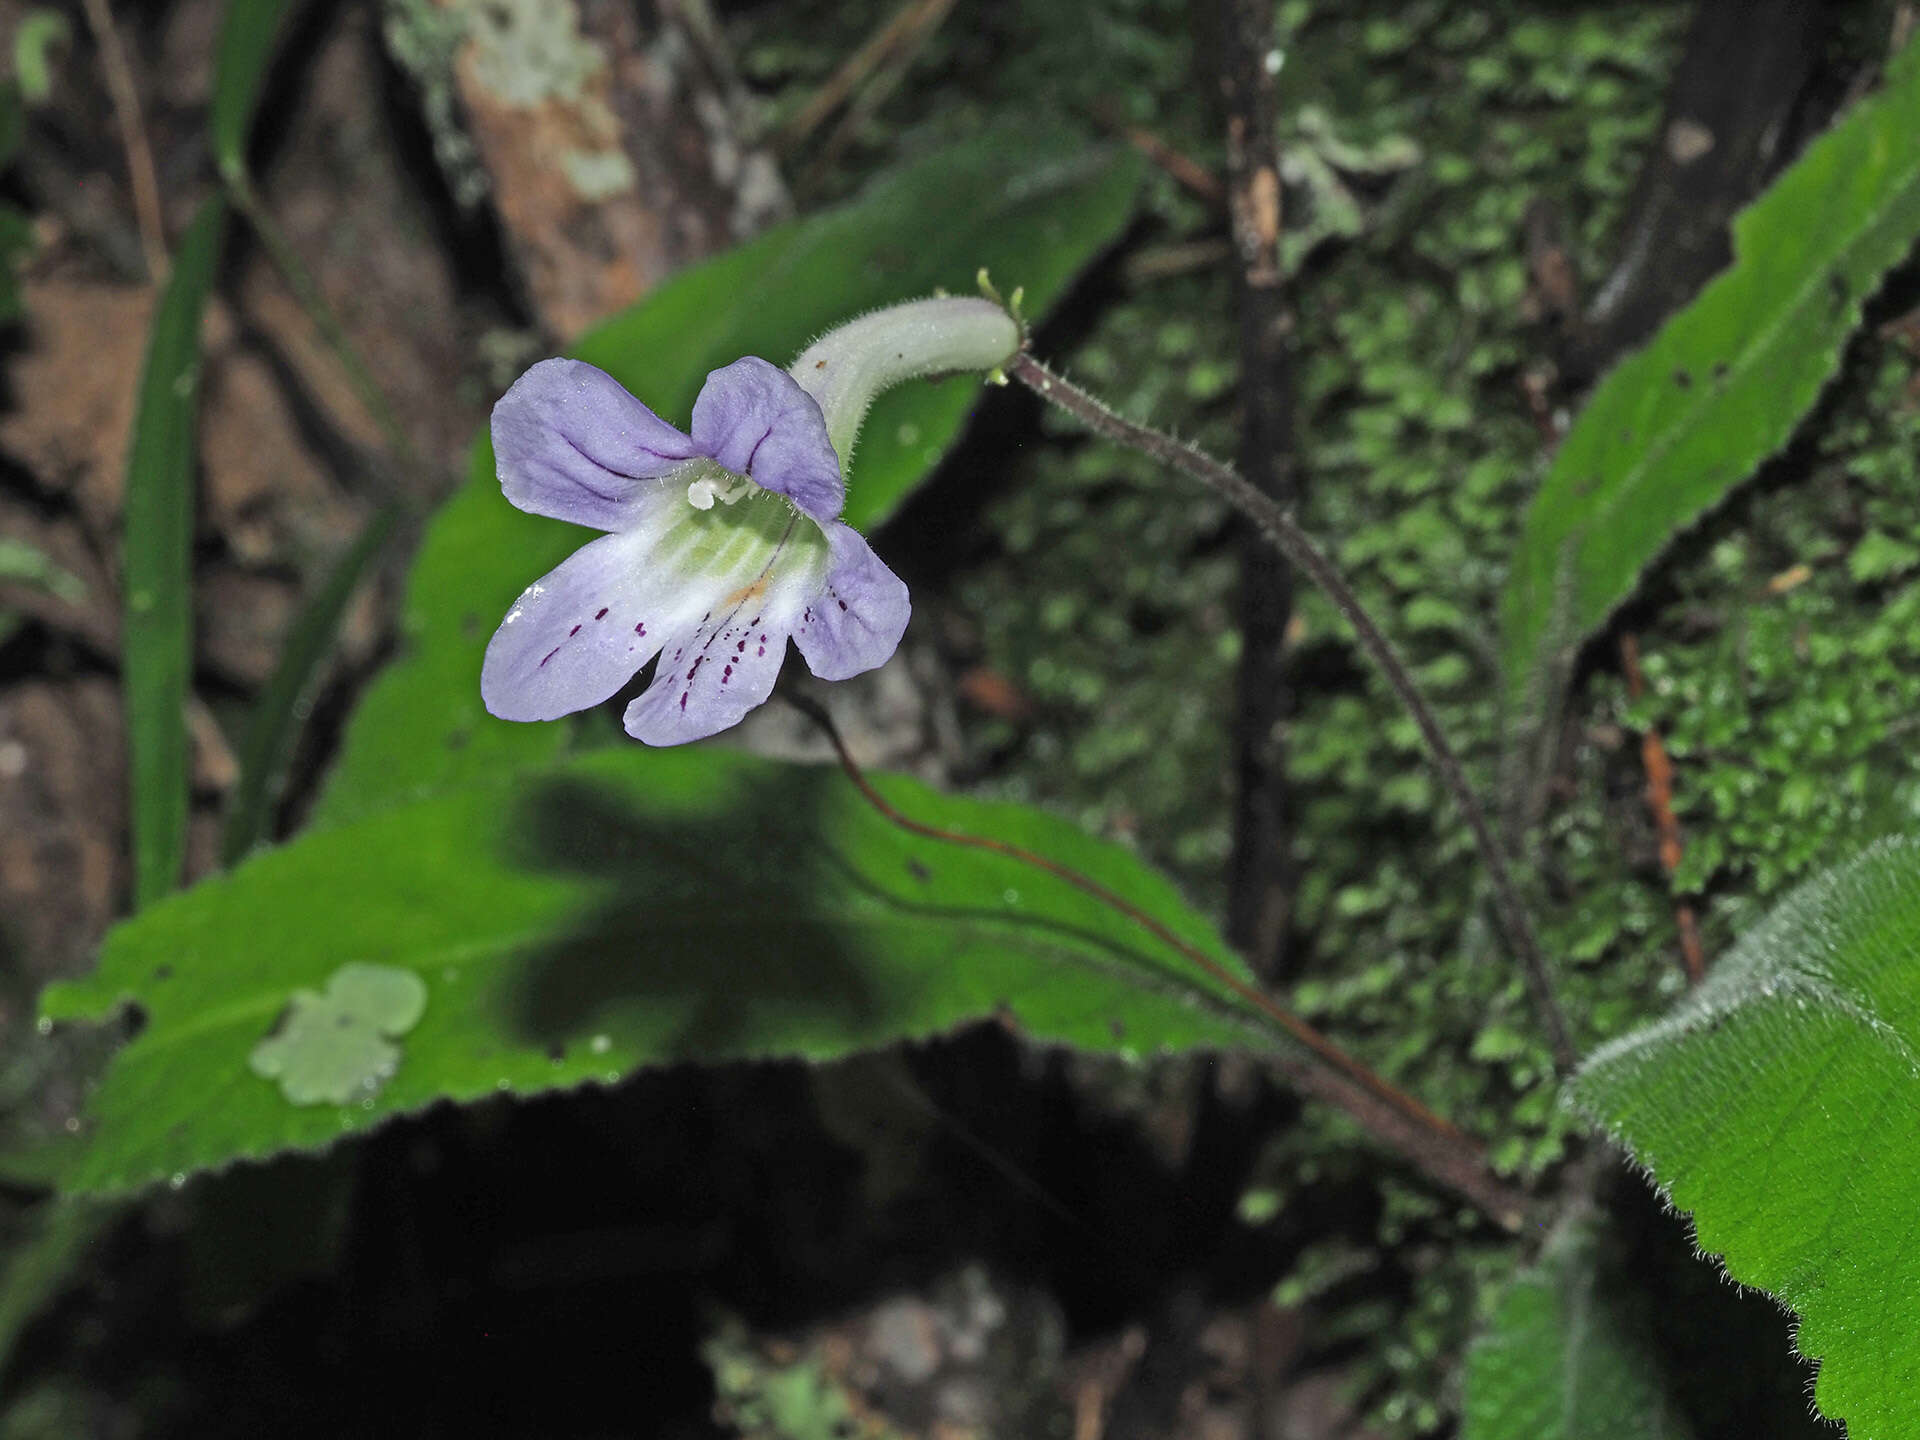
x: 572, y: 444
x: 580, y: 632
x: 755, y: 420
x: 713, y: 675
x: 856, y: 621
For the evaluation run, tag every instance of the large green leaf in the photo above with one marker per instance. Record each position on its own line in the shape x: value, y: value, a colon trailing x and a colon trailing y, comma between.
x: 1779, y: 1104
x: 1032, y: 210
x: 1562, y: 1358
x: 1673, y: 428
x: 157, y: 565
x: 628, y: 908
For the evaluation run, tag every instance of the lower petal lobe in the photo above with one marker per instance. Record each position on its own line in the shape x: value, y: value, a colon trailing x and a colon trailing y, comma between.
x: 855, y: 622
x: 580, y: 632
x: 711, y: 677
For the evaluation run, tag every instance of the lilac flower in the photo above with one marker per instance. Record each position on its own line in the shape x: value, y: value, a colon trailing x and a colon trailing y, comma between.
x: 722, y: 543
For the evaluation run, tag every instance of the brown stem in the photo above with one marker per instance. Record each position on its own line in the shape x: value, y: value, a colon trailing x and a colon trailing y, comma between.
x: 133, y: 137
x: 1283, y: 532
x: 1659, y: 767
x: 1185, y: 171
x: 914, y: 18
x: 1431, y: 1143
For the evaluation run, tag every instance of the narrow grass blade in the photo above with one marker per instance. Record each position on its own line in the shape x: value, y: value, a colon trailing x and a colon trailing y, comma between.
x: 247, y: 39
x: 272, y: 727
x: 158, y: 562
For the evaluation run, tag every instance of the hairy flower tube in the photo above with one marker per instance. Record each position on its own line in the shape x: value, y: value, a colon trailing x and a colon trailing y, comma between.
x: 723, y: 542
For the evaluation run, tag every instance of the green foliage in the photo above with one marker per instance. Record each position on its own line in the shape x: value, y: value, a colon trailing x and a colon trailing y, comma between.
x: 157, y: 563
x: 248, y: 36
x: 1036, y: 218
x: 1774, y: 1104
x: 1786, y: 672
x: 1722, y: 387
x: 769, y: 1399
x: 630, y: 908
x: 41, y: 1258
x: 21, y: 563
x: 1561, y: 1359
x: 1416, y: 455
x: 16, y: 234
x: 41, y: 31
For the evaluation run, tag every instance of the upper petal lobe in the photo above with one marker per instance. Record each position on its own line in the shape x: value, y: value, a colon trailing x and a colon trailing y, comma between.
x: 754, y: 419
x: 571, y: 443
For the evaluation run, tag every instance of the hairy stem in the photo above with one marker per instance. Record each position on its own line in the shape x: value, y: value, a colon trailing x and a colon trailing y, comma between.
x: 1280, y: 530
x: 1434, y: 1145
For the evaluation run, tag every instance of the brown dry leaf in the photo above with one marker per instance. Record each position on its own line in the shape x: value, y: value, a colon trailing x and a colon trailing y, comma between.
x: 73, y: 386
x: 240, y: 620
x: 262, y: 488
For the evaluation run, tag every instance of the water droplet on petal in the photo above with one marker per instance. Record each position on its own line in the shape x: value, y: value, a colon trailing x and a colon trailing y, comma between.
x: 600, y: 1044
x: 177, y: 1179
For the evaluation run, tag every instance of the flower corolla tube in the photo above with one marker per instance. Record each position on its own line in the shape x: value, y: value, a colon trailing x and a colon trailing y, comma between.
x: 723, y: 541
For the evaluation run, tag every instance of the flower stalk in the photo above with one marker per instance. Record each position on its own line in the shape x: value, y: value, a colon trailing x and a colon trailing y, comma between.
x: 1280, y: 530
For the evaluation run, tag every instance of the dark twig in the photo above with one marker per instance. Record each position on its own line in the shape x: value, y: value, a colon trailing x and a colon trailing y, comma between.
x: 1431, y: 1143
x: 1260, y: 881
x: 927, y: 16
x: 307, y: 292
x: 1188, y: 173
x: 133, y: 137
x: 903, y: 30
x: 1283, y: 532
x: 1659, y: 767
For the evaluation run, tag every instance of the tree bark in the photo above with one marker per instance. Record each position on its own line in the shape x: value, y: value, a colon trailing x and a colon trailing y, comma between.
x: 1260, y: 879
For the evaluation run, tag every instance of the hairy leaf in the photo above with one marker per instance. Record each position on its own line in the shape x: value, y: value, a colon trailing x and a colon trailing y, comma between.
x: 157, y: 567
x: 1034, y: 221
x: 1676, y: 426
x: 629, y: 908
x: 1561, y: 1360
x: 1779, y: 1104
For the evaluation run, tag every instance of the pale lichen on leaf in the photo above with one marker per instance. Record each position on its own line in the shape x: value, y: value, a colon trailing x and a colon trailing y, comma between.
x: 337, y: 1046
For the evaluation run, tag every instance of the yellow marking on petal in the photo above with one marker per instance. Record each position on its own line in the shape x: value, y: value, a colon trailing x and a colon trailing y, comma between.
x: 747, y: 592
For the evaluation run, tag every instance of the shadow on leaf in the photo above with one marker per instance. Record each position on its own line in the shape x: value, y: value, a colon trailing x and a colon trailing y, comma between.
x: 694, y: 909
